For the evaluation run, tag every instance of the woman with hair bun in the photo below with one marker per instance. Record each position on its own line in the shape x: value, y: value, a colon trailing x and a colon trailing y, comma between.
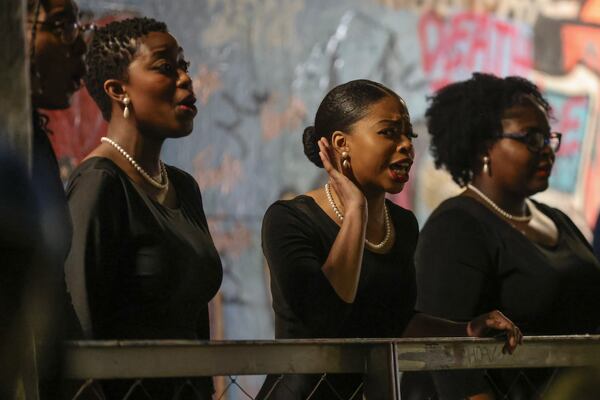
x: 341, y: 256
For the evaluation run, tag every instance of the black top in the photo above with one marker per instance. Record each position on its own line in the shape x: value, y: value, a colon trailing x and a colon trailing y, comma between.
x: 138, y: 269
x: 55, y: 226
x: 52, y: 243
x: 55, y: 219
x: 19, y: 236
x: 297, y: 236
x: 470, y: 261
x: 147, y: 271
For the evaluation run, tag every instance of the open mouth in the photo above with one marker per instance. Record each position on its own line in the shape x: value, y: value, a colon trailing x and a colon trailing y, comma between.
x: 400, y: 169
x: 188, y: 105
x: 543, y: 167
x: 544, y: 170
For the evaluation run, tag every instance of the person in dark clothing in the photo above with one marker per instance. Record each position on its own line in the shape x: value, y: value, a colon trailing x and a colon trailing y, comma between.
x: 57, y: 67
x: 512, y: 253
x: 341, y: 257
x: 19, y: 236
x: 56, y: 54
x: 143, y: 264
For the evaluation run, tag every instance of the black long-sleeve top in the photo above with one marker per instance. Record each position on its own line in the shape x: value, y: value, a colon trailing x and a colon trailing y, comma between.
x: 470, y: 261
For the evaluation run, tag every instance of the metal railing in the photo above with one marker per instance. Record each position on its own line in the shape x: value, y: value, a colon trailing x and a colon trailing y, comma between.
x: 381, y: 362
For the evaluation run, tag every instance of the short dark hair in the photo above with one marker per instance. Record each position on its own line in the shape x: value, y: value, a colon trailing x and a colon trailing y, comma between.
x: 33, y: 4
x: 464, y: 119
x: 343, y: 106
x: 111, y: 51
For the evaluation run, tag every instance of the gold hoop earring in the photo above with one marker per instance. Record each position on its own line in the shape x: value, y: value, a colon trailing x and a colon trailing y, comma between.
x: 126, y: 101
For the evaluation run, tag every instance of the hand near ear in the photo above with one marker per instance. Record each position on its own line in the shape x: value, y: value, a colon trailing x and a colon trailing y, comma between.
x: 349, y: 194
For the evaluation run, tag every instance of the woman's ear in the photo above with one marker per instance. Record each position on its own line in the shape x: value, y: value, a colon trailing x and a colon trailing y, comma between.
x: 339, y: 142
x: 115, y: 90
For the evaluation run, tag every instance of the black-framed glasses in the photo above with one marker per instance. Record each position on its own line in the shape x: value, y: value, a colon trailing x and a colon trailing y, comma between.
x: 536, y: 139
x: 68, y: 31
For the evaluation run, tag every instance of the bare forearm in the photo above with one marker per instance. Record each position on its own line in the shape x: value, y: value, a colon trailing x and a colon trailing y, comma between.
x: 424, y: 325
x: 343, y: 265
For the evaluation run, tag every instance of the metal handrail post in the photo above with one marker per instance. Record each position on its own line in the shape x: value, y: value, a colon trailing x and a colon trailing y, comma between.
x: 382, y: 381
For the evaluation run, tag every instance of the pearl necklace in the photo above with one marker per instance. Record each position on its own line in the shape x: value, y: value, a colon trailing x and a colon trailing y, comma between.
x: 164, y: 185
x: 388, y: 225
x: 505, y: 214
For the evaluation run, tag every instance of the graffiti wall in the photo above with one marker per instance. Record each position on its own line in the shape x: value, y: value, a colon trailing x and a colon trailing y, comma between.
x: 260, y: 68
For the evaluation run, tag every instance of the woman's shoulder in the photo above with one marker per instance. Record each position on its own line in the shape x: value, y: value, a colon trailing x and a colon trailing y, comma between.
x: 550, y: 211
x: 178, y: 172
x: 100, y: 170
x: 301, y: 206
x: 563, y: 222
x: 97, y: 182
x: 463, y: 215
x: 302, y: 213
x: 106, y: 166
x: 181, y: 179
x: 306, y: 209
x: 463, y: 207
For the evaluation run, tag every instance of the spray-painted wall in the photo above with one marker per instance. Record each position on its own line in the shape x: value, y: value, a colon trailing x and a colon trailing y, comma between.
x: 260, y: 68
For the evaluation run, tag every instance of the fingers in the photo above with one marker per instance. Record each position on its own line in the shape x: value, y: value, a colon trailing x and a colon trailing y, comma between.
x: 328, y: 153
x: 518, y: 336
x: 348, y: 192
x: 511, y: 342
x: 498, y: 321
x: 325, y: 154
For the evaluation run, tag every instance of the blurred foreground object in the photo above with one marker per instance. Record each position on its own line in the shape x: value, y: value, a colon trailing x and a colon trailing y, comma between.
x: 579, y: 384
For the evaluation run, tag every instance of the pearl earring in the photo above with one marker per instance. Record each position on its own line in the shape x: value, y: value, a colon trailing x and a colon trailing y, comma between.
x: 126, y: 101
x: 486, y: 165
x: 345, y: 162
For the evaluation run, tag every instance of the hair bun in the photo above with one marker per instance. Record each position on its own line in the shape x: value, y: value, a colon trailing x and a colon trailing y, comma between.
x: 311, y: 148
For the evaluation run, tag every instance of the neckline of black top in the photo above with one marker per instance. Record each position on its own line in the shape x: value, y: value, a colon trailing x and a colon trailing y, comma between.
x: 313, y: 203
x: 139, y: 189
x: 540, y: 208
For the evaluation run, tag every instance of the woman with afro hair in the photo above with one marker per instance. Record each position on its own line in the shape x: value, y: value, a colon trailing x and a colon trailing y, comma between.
x: 143, y: 264
x: 492, y: 246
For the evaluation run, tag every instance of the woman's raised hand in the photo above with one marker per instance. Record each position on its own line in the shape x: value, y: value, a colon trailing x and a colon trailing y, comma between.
x: 349, y: 194
x: 494, y: 322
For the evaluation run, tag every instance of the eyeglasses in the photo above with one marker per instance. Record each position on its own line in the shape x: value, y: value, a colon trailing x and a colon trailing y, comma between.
x: 68, y: 31
x: 536, y: 140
